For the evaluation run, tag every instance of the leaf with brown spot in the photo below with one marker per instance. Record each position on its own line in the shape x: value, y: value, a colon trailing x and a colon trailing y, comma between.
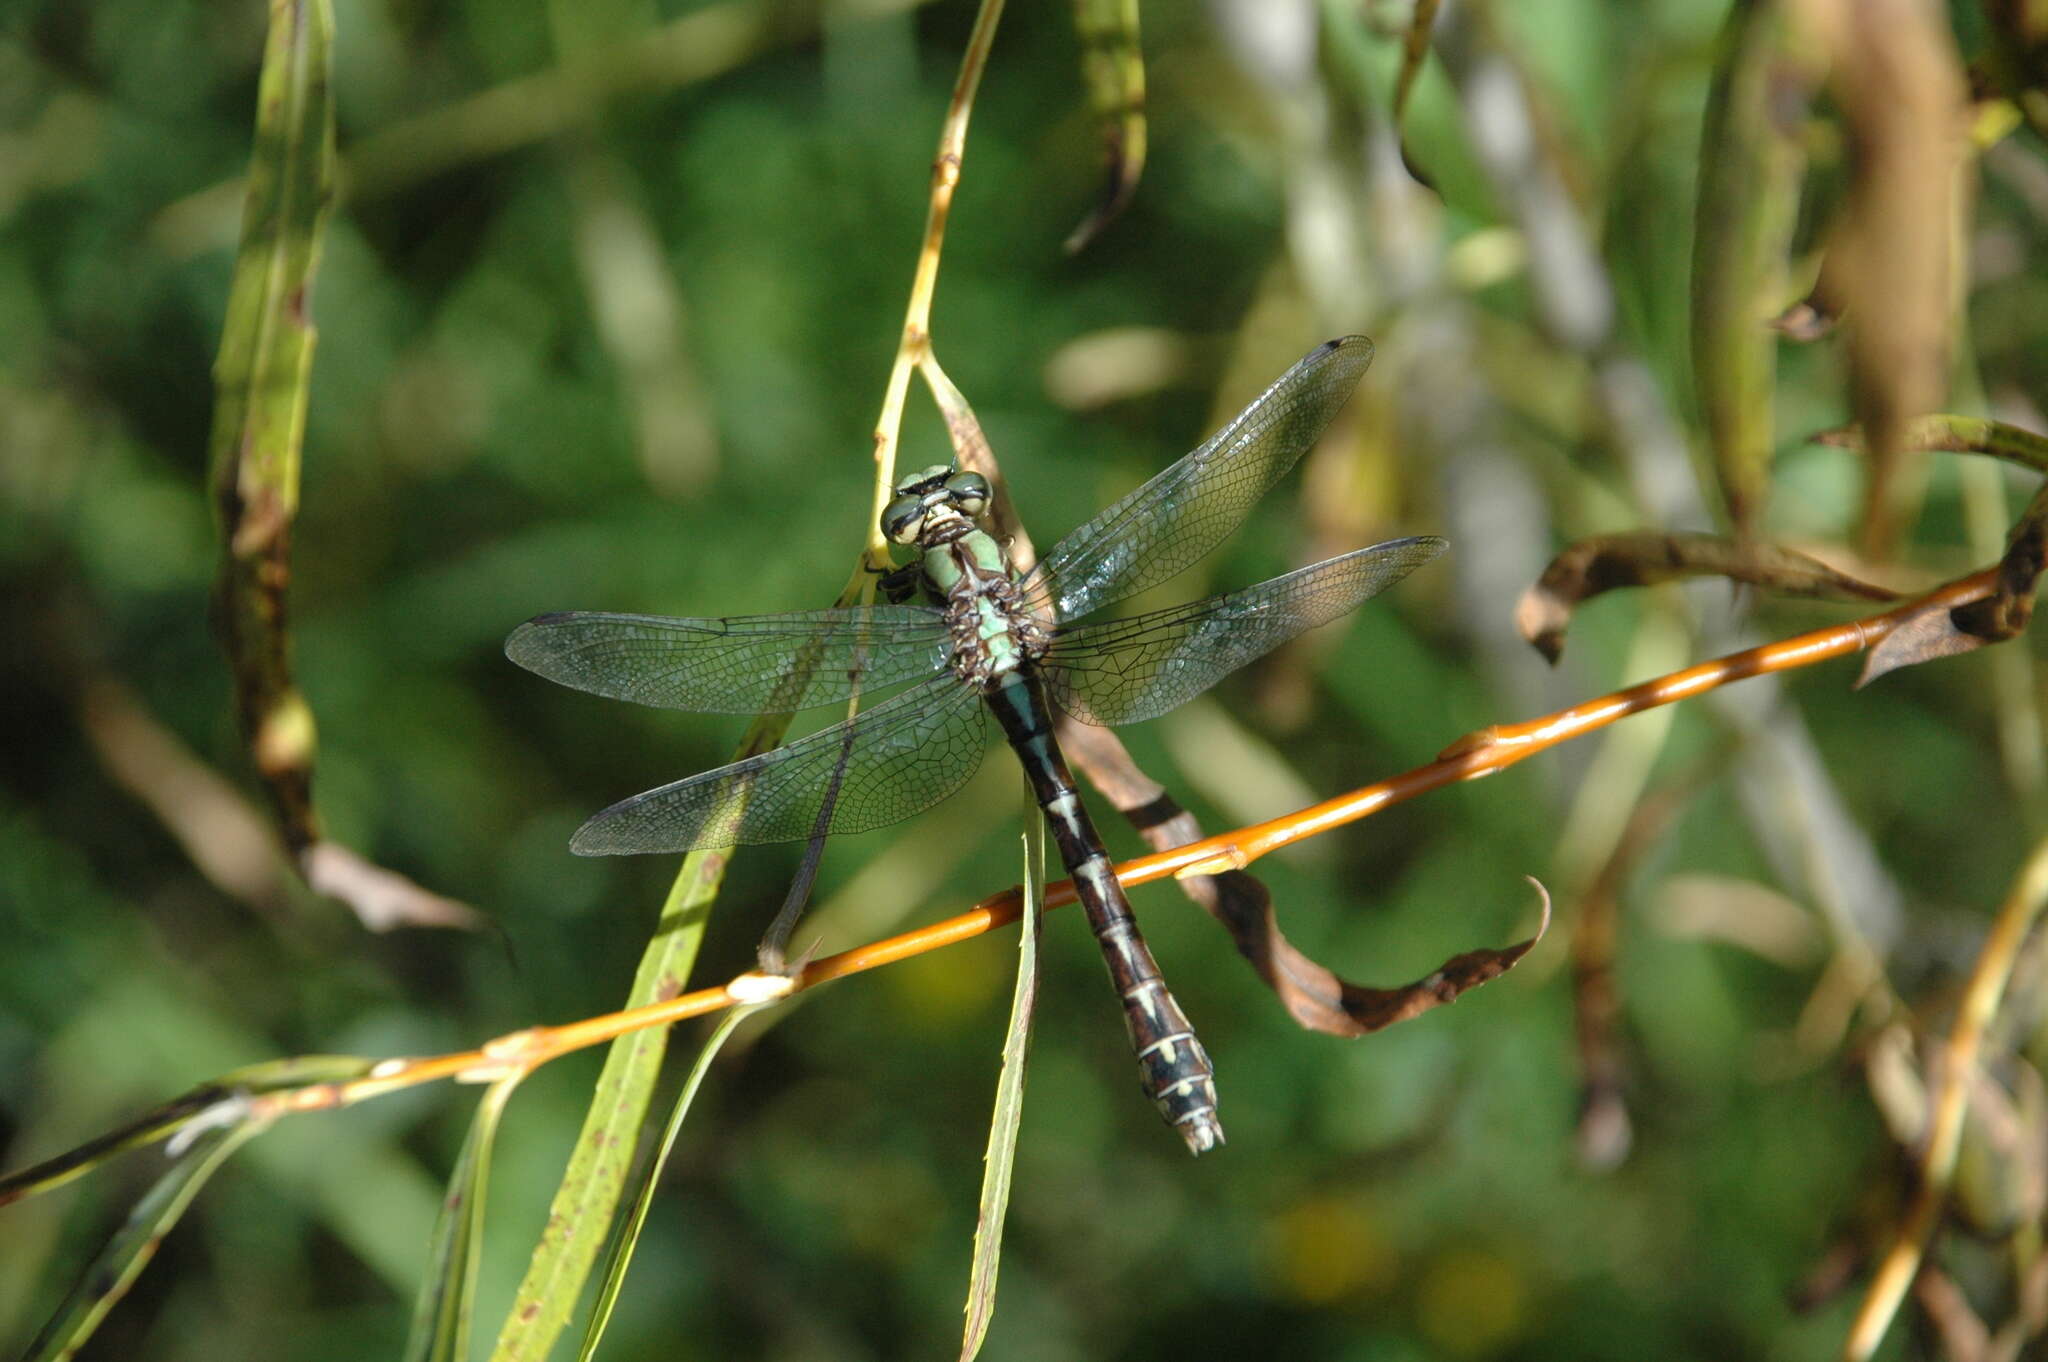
x: 1113, y: 67
x: 1609, y: 562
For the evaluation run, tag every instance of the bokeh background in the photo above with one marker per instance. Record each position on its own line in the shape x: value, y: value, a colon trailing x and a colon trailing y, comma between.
x: 624, y: 351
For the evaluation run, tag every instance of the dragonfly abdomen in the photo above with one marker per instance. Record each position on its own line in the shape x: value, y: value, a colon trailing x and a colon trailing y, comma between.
x: 1173, y: 1068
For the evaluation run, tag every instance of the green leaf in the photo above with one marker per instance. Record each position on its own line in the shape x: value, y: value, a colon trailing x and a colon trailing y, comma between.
x: 1000, y: 1162
x: 629, y: 1233
x: 165, y: 1121
x: 582, y: 1208
x: 117, y: 1266
x: 1748, y: 203
x: 262, y: 378
x: 1113, y: 67
x: 441, y: 1313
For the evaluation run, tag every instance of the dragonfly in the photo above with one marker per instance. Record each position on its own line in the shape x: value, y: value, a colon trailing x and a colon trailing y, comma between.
x: 968, y: 635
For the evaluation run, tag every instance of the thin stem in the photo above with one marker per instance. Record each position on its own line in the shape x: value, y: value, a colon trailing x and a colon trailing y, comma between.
x: 1958, y: 1070
x: 1479, y: 754
x: 917, y: 318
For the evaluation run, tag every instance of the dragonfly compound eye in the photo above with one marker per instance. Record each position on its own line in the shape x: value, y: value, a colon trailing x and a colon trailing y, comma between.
x: 902, y: 519
x: 969, y: 492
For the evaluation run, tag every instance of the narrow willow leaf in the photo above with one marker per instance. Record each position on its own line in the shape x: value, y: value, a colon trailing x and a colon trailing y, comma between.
x: 117, y: 1266
x: 1748, y: 201
x: 1113, y: 66
x: 591, y: 1186
x: 1898, y: 80
x: 1000, y: 1162
x: 583, y: 1203
x: 262, y: 378
x: 628, y: 1237
x: 441, y: 1312
x: 186, y: 1112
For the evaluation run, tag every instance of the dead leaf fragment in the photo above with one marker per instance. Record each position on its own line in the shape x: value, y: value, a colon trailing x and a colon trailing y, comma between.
x: 1608, y: 562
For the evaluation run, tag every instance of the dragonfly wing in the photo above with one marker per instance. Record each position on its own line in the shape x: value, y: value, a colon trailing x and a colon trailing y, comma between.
x: 879, y: 767
x: 1191, y: 507
x: 747, y: 665
x: 1122, y: 671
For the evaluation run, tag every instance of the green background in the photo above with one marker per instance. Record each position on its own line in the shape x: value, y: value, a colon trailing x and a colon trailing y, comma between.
x: 635, y: 367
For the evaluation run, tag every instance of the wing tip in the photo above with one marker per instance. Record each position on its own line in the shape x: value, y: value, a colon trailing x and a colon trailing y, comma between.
x: 516, y: 642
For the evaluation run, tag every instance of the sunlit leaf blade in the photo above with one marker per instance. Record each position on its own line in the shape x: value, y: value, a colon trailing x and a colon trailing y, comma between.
x: 583, y: 1203
x: 1113, y: 67
x: 179, y: 1114
x: 118, y: 1264
x: 1748, y: 201
x: 441, y: 1312
x: 1609, y: 562
x: 999, y: 1164
x: 262, y: 379
x: 649, y: 1179
x: 591, y: 1186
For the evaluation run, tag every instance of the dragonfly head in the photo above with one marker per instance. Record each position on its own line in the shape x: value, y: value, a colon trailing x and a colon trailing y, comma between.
x: 939, y: 497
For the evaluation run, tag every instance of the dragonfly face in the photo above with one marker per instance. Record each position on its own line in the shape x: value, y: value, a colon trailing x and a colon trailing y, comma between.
x: 934, y: 507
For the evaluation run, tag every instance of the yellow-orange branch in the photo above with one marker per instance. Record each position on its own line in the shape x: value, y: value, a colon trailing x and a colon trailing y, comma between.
x: 1477, y: 754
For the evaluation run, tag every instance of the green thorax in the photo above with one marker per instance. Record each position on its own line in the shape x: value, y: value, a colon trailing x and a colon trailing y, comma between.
x: 959, y: 571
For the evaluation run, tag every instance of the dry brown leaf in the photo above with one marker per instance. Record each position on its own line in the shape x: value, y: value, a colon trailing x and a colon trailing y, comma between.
x: 1608, y: 562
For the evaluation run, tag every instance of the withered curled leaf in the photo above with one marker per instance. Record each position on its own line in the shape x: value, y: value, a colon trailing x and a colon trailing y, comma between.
x: 1608, y: 562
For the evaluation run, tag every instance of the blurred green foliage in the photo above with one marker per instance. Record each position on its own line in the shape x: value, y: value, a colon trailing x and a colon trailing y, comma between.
x: 634, y: 365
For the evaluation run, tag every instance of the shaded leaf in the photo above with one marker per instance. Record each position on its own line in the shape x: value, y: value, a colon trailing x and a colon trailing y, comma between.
x: 199, y: 1106
x: 1895, y: 74
x: 591, y: 1185
x: 262, y: 378
x: 1414, y: 51
x: 1000, y: 1161
x: 1748, y: 202
x: 649, y: 1180
x: 1319, y: 1000
x: 441, y: 1312
x: 121, y: 1261
x: 1608, y: 562
x: 1113, y: 67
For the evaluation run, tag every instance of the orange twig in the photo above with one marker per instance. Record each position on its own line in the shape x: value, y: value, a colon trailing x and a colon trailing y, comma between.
x: 1475, y: 755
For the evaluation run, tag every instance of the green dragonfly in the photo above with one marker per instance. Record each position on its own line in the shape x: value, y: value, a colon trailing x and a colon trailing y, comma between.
x: 987, y: 638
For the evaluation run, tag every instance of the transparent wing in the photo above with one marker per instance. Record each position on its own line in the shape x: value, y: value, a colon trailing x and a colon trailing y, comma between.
x: 1190, y: 508
x: 1122, y: 671
x: 881, y: 766
x: 747, y: 665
